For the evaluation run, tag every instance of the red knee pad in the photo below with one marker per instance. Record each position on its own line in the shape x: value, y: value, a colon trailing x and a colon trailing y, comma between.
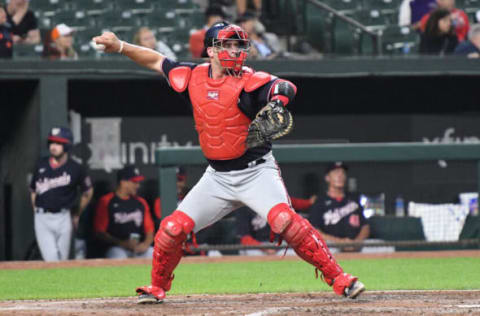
x: 291, y: 226
x: 279, y: 217
x: 173, y: 231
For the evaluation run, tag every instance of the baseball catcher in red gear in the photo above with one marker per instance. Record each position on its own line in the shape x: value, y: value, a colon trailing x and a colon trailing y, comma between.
x: 238, y: 112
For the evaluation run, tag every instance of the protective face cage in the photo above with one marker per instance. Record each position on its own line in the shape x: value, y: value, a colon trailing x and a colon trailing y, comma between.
x: 232, y: 59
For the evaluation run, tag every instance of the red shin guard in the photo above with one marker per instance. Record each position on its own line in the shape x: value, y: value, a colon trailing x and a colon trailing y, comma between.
x: 304, y: 239
x: 168, y: 249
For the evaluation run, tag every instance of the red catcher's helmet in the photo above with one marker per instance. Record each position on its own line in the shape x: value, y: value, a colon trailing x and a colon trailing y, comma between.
x: 220, y: 33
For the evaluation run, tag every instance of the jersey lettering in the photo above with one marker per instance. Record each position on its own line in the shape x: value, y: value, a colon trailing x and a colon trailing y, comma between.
x: 335, y: 215
x: 45, y: 184
x: 135, y: 217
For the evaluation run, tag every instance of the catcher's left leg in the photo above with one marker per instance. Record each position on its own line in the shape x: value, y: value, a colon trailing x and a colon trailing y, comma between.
x: 310, y: 246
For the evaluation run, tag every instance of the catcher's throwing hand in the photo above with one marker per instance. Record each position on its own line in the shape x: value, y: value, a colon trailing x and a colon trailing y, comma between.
x: 272, y: 122
x: 109, y: 40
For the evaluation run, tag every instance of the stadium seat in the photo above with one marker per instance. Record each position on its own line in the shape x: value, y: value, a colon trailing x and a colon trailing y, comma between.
x: 399, y: 40
x: 177, y: 5
x: 190, y: 20
x: 85, y: 51
x: 283, y: 17
x: 76, y: 19
x: 21, y: 51
x: 178, y: 42
x: 94, y: 7
x: 116, y: 20
x: 48, y: 7
x: 317, y: 30
x: 135, y: 6
x: 373, y: 19
x: 345, y: 6
x: 163, y: 21
x: 471, y: 7
x: 385, y: 6
x: 44, y: 21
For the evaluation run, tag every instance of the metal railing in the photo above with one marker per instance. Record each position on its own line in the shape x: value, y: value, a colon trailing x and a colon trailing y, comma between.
x: 376, y: 36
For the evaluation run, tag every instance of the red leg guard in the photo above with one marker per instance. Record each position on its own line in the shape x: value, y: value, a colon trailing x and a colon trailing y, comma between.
x: 304, y: 239
x: 168, y: 251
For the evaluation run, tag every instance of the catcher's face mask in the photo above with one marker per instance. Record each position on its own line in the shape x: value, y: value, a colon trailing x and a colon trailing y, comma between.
x: 232, y: 46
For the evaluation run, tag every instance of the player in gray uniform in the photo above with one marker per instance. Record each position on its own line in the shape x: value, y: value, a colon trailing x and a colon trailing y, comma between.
x: 227, y: 99
x: 54, y: 188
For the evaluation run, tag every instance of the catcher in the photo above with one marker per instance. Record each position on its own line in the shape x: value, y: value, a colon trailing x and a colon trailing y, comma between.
x: 237, y: 112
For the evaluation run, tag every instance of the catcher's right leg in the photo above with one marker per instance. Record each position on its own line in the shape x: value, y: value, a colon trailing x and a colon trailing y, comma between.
x: 310, y: 246
x: 167, y: 253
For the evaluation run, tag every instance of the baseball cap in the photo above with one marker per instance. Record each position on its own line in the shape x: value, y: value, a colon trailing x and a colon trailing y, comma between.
x: 61, y: 30
x: 130, y: 173
x: 60, y: 134
x: 336, y: 165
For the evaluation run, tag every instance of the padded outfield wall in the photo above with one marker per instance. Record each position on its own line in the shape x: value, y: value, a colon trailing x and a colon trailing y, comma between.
x: 339, y: 101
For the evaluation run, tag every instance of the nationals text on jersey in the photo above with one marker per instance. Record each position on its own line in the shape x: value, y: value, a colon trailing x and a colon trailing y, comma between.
x: 45, y: 184
x: 334, y: 216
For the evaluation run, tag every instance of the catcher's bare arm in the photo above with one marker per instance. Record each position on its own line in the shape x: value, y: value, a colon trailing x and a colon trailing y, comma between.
x: 141, y: 55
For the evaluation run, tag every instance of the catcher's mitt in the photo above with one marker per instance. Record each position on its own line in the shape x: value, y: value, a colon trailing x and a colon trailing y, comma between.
x: 272, y: 122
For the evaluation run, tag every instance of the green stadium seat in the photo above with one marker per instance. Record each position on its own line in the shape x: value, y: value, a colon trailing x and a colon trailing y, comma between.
x: 161, y: 20
x: 21, y: 51
x: 471, y: 7
x: 126, y: 34
x: 177, y: 5
x: 44, y: 21
x: 399, y: 40
x: 345, y: 6
x: 373, y: 19
x: 135, y: 6
x: 94, y: 7
x: 344, y: 39
x: 48, y: 7
x: 283, y: 17
x: 85, y: 51
x: 116, y: 20
x: 385, y: 6
x: 178, y: 42
x: 190, y: 20
x: 75, y: 19
x: 316, y: 28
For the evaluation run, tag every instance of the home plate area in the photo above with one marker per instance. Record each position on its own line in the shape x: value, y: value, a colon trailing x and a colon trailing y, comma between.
x: 322, y: 303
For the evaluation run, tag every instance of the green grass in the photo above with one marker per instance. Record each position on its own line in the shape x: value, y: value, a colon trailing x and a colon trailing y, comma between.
x: 246, y: 277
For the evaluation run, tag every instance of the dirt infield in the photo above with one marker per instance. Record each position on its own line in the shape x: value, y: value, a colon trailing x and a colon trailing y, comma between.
x: 370, y: 303
x: 321, y: 303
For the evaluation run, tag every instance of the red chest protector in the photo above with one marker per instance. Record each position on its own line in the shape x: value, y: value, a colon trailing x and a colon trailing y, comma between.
x: 221, y: 126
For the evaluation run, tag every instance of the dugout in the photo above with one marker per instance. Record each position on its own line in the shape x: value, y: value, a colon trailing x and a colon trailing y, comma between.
x: 341, y: 100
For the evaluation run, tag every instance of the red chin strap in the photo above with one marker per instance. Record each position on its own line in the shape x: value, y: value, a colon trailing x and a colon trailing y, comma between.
x: 233, y: 63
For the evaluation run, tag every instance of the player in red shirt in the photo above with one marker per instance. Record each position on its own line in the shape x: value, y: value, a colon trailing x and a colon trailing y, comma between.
x: 123, y: 220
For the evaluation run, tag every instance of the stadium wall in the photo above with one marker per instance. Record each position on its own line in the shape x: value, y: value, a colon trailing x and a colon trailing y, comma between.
x: 343, y: 100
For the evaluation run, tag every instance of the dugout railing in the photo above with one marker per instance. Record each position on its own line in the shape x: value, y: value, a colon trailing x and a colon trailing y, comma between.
x: 167, y: 159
